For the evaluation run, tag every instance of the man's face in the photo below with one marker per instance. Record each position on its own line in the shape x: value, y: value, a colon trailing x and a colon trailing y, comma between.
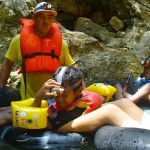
x: 43, y: 22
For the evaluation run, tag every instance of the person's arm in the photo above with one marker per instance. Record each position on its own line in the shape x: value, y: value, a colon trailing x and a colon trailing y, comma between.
x: 12, y: 56
x: 5, y: 72
x: 45, y: 92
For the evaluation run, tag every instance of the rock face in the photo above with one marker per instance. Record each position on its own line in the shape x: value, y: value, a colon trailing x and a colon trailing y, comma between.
x: 108, y: 39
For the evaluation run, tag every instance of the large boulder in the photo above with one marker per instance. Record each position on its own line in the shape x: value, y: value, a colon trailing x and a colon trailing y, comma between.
x: 103, y: 52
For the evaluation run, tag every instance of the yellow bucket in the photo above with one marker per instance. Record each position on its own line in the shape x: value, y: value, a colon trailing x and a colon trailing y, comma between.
x: 103, y: 90
x: 28, y: 117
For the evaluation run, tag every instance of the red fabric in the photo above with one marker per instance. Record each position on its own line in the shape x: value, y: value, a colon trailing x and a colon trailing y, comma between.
x: 93, y: 101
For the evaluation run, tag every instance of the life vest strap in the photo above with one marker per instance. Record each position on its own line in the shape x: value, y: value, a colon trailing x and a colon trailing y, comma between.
x: 52, y: 54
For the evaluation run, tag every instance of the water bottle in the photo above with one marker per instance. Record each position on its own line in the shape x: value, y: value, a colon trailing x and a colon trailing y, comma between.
x: 52, y: 113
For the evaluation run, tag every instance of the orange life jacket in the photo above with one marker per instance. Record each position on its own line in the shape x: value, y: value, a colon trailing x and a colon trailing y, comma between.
x: 39, y: 54
x: 90, y: 101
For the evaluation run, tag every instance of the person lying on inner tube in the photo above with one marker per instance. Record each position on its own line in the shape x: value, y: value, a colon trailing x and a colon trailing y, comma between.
x: 69, y: 106
x: 143, y: 93
x: 66, y: 97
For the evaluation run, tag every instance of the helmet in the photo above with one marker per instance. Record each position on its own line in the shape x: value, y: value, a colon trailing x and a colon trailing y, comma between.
x: 45, y: 6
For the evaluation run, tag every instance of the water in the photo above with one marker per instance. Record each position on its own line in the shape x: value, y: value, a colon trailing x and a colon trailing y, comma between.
x: 37, y: 140
x: 4, y: 146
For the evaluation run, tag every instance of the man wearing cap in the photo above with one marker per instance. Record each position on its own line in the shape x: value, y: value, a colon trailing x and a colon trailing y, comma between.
x: 39, y: 49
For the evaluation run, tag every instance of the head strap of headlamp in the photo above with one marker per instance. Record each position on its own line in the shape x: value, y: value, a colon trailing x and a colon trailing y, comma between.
x: 73, y: 86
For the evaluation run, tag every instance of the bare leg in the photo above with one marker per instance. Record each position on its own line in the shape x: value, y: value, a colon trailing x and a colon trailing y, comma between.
x: 135, y: 112
x: 107, y: 114
x: 130, y: 108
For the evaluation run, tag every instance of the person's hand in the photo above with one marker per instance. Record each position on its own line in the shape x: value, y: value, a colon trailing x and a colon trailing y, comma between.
x: 45, y: 90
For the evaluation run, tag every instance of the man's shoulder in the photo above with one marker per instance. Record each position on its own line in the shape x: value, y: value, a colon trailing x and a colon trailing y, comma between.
x: 17, y: 37
x: 64, y: 42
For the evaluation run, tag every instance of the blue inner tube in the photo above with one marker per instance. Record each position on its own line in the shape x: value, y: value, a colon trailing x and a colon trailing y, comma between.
x: 106, y: 138
x: 117, y: 138
x: 111, y: 137
x: 42, y: 139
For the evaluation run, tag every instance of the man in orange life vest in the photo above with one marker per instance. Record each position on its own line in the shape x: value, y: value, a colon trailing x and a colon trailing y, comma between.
x: 39, y: 48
